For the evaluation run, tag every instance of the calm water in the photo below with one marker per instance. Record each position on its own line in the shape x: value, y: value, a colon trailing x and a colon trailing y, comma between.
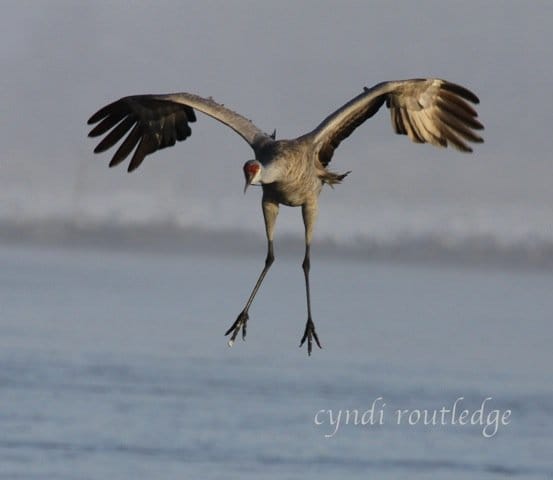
x: 113, y: 365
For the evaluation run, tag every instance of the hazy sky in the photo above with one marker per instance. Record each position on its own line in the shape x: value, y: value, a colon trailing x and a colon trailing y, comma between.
x: 285, y: 65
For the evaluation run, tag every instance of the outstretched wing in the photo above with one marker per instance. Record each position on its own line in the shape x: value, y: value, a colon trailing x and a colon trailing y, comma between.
x: 427, y: 110
x: 153, y: 122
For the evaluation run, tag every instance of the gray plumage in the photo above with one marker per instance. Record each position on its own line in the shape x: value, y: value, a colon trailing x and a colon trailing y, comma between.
x: 291, y: 172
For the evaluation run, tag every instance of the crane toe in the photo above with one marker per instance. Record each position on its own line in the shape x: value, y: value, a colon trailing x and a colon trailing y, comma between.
x: 239, y: 324
x: 310, y: 334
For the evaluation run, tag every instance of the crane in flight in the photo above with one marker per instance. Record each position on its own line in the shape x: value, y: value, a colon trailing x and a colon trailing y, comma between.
x: 291, y: 172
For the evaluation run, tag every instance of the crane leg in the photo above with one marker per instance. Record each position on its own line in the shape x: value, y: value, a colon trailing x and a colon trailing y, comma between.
x: 309, y: 213
x: 270, y: 212
x: 309, y: 334
x: 242, y: 320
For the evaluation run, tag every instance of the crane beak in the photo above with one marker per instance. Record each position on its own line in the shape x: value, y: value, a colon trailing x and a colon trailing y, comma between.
x: 249, y: 179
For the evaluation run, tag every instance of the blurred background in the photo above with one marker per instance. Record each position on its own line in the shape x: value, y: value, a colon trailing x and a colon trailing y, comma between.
x: 285, y: 66
x: 116, y: 288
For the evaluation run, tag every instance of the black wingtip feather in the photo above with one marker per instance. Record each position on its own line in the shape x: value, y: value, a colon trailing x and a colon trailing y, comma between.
x: 105, y: 111
x: 107, y: 123
x: 461, y: 91
x: 115, y: 135
x: 133, y: 167
x: 190, y: 114
x: 153, y: 124
x: 126, y: 147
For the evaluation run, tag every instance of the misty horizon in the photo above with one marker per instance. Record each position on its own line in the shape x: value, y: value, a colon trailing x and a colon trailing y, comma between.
x: 277, y: 66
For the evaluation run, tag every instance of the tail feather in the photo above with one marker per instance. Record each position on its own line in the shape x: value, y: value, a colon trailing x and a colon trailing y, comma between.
x: 332, y: 178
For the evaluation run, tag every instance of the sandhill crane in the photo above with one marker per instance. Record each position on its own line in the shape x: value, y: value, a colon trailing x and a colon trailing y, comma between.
x: 291, y: 172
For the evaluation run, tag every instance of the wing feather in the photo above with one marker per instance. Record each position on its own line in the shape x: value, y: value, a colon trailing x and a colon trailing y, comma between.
x: 127, y: 146
x: 397, y: 122
x: 459, y: 127
x: 408, y: 122
x: 425, y: 128
x: 115, y: 135
x: 108, y: 123
x: 432, y: 129
x: 154, y: 122
x: 451, y: 137
x: 146, y: 146
x: 430, y: 110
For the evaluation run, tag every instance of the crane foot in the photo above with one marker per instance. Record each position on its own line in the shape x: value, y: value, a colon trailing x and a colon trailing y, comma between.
x: 309, y: 335
x: 239, y: 324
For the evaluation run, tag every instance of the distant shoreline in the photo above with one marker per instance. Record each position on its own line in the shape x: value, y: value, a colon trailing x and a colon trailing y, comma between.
x: 168, y: 238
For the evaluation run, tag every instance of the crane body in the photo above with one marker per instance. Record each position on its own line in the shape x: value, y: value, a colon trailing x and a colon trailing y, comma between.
x: 291, y: 172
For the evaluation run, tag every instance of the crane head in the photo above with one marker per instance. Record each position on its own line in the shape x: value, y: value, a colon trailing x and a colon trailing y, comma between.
x: 252, y: 173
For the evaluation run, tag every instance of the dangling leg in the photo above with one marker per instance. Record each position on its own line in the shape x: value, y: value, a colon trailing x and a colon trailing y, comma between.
x: 270, y: 212
x: 309, y: 212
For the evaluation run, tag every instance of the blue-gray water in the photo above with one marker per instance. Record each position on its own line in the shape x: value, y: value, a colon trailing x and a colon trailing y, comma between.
x: 113, y: 365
